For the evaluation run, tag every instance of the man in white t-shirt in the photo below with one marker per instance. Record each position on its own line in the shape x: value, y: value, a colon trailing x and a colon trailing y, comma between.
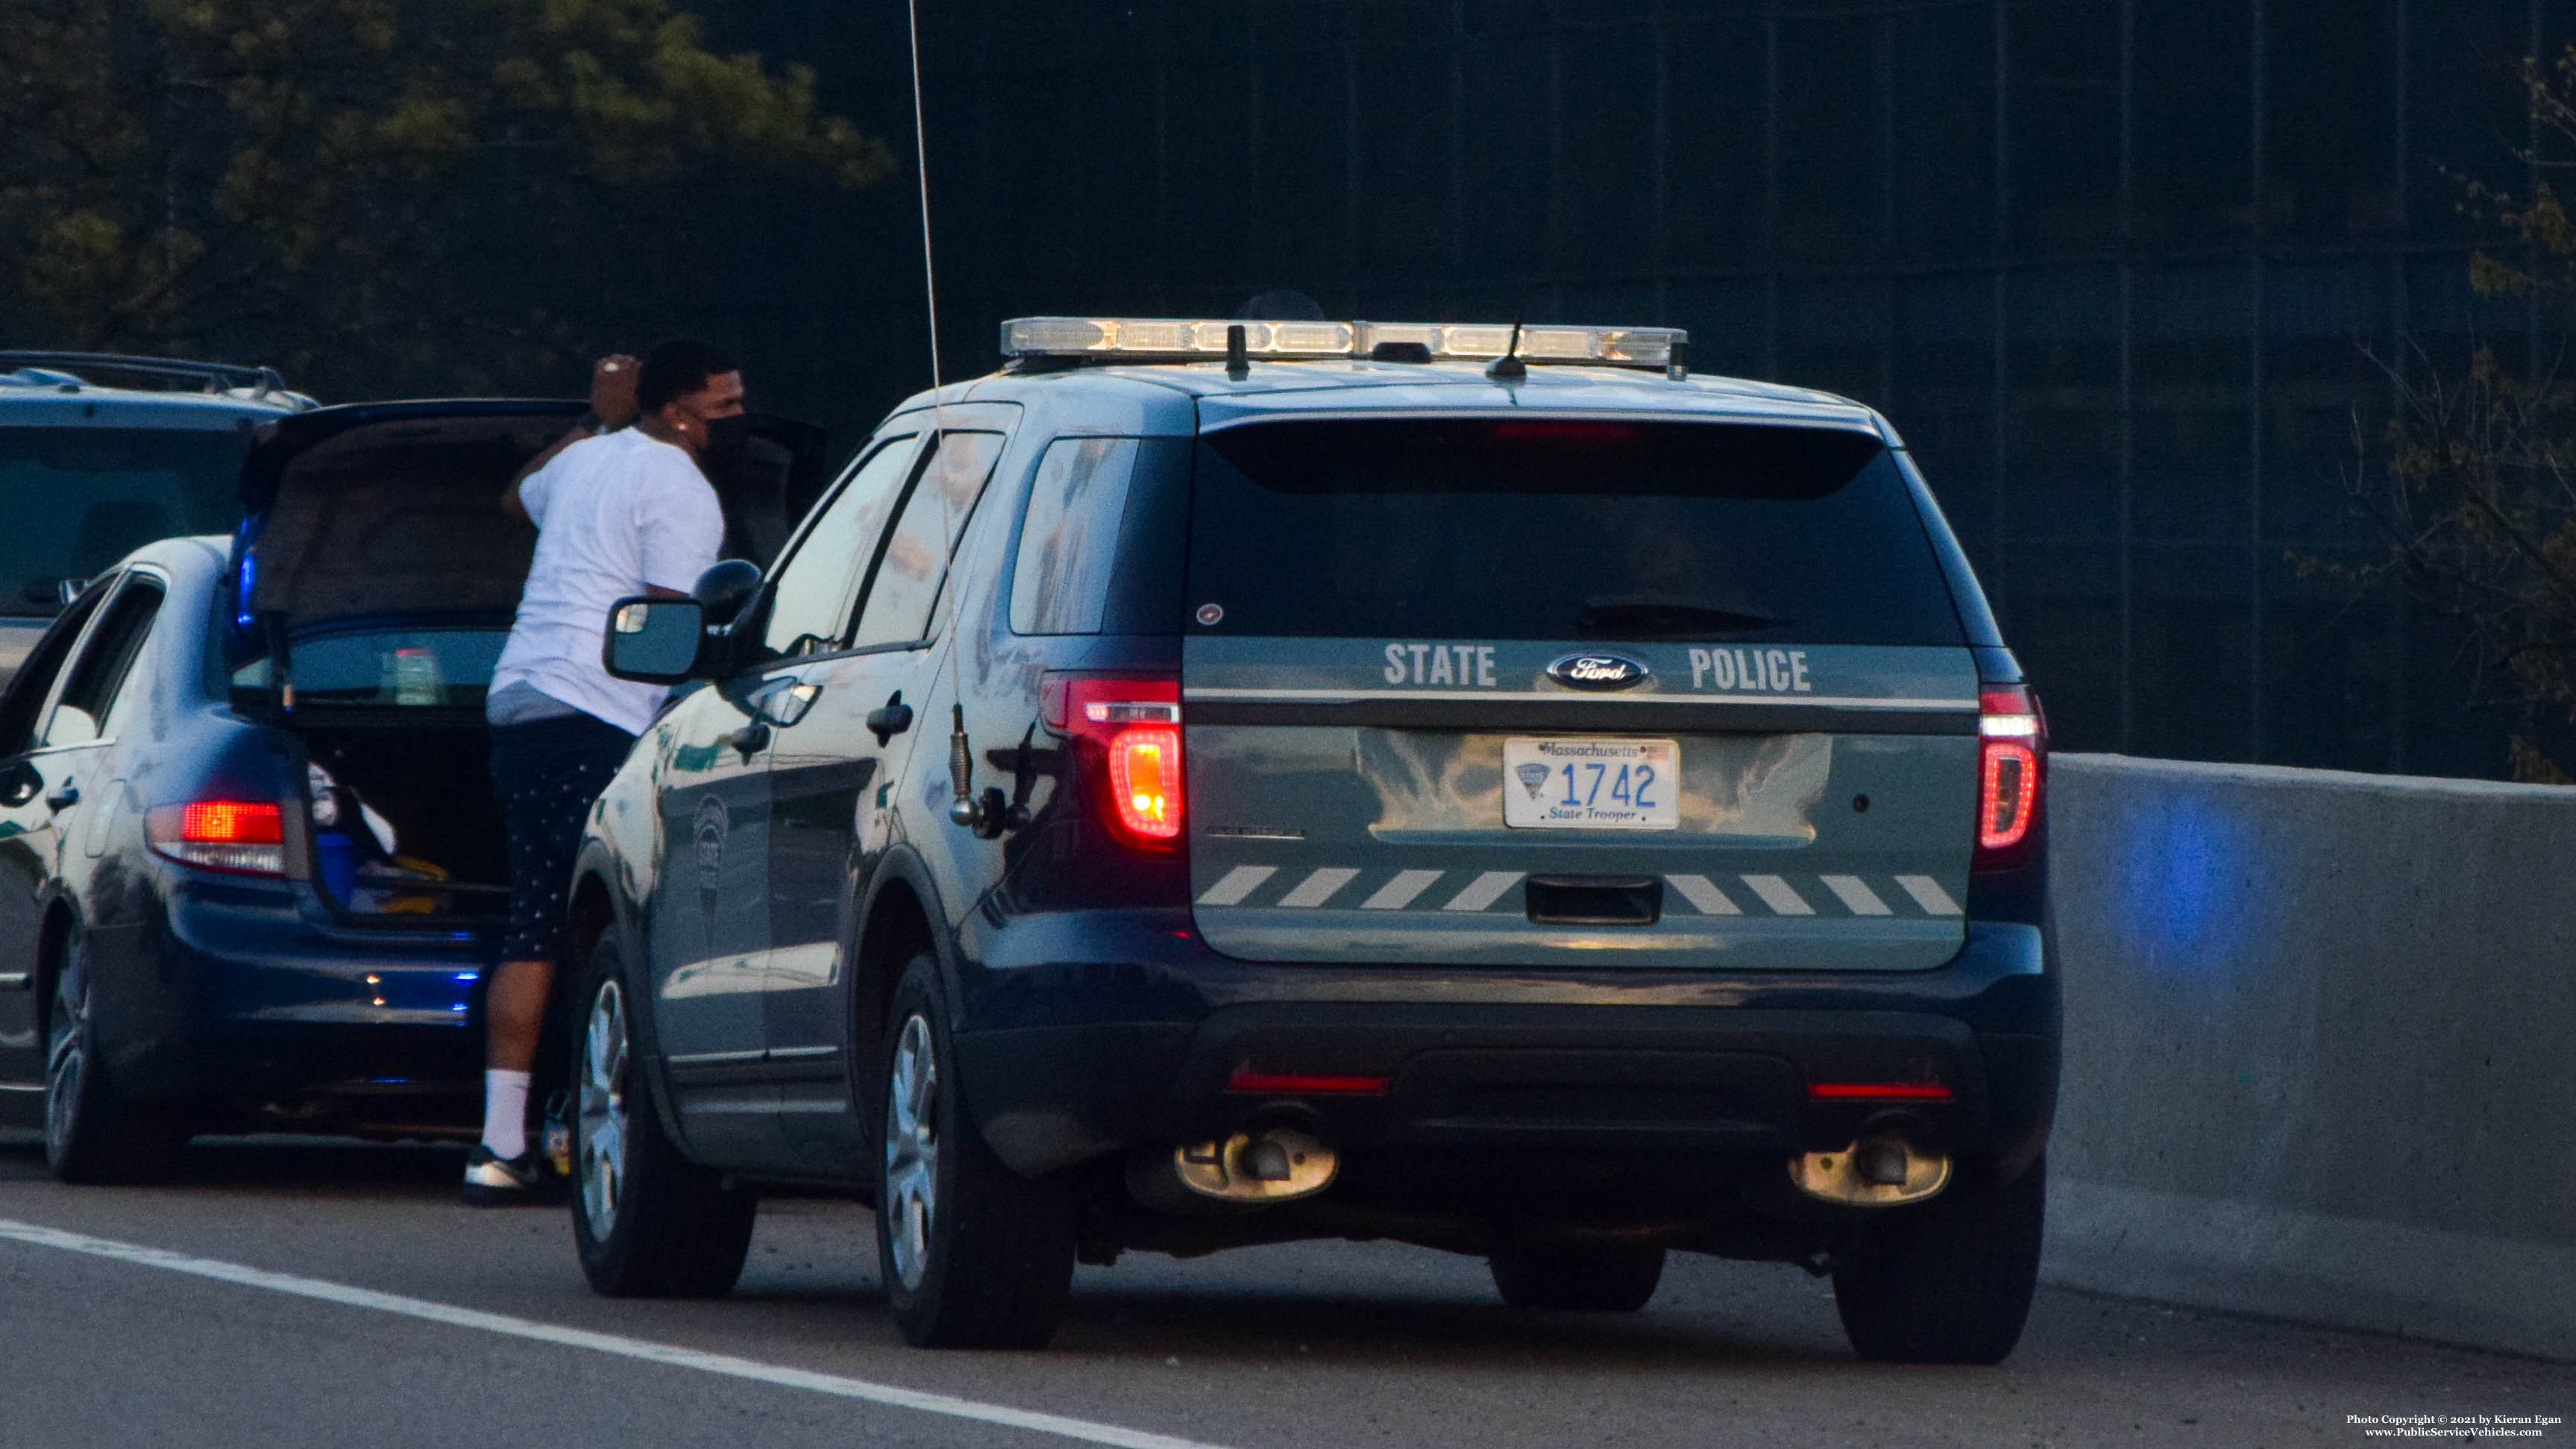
x: 622, y: 513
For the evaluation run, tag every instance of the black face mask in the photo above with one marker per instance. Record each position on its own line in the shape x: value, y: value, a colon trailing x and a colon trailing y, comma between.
x: 727, y: 439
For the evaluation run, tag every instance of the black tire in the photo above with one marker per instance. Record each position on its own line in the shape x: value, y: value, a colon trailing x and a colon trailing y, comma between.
x: 648, y: 1222
x: 92, y: 1135
x: 1578, y: 1277
x: 972, y: 1254
x: 1949, y: 1281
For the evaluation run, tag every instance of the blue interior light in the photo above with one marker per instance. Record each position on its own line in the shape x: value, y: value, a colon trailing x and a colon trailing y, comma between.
x: 249, y: 575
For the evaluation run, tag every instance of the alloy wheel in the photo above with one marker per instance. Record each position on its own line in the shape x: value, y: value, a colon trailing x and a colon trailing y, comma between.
x: 66, y: 1056
x: 604, y: 1110
x: 911, y: 1193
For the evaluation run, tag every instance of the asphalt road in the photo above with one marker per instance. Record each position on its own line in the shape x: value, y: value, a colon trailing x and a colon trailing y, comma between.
x: 338, y: 1295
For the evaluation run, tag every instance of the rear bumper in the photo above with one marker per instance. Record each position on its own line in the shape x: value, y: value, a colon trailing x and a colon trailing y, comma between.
x: 1624, y: 1063
x: 250, y: 993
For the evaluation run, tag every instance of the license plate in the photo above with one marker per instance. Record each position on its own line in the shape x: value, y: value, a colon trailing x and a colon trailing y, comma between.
x: 1592, y: 784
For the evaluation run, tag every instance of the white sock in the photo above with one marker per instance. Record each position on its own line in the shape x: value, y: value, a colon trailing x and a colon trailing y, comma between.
x: 505, y: 1112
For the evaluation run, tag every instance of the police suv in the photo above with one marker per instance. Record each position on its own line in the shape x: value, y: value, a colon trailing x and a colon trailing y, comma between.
x: 1214, y: 783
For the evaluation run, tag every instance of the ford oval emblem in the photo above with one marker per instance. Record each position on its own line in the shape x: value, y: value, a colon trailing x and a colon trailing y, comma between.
x: 1597, y: 671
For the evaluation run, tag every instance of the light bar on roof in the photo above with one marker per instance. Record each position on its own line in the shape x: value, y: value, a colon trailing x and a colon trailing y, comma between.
x: 1192, y: 339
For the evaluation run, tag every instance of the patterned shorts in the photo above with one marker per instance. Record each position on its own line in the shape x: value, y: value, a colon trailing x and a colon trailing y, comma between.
x: 547, y: 774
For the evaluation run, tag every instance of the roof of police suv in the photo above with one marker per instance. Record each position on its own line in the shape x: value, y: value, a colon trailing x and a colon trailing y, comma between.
x: 1281, y: 388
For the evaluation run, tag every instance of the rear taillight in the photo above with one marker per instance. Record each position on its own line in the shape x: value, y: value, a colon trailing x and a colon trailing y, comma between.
x: 1127, y: 731
x: 247, y: 837
x: 2012, y: 758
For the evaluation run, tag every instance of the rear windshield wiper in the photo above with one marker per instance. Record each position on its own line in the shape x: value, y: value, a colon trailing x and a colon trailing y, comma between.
x: 1665, y: 619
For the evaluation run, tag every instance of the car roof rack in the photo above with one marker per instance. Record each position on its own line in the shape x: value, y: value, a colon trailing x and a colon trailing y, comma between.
x: 216, y: 377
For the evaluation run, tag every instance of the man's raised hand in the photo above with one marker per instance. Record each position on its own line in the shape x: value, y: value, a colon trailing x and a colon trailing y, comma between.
x: 612, y: 389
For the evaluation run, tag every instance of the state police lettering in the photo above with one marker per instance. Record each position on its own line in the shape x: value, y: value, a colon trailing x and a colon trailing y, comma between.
x: 1462, y: 665
x: 1772, y: 671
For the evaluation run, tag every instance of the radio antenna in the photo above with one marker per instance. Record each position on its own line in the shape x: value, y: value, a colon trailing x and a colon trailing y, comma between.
x: 921, y: 166
x: 929, y: 272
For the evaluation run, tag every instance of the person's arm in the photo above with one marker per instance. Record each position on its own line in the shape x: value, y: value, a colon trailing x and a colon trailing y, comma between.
x: 680, y: 527
x: 612, y: 406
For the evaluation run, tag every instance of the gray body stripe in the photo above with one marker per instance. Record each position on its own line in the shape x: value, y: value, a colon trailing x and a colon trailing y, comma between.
x: 1398, y: 893
x: 1928, y: 894
x: 1237, y: 883
x: 1777, y: 894
x: 1318, y: 888
x: 1411, y: 889
x: 1856, y: 894
x: 1484, y: 890
x: 1704, y: 895
x: 1568, y: 696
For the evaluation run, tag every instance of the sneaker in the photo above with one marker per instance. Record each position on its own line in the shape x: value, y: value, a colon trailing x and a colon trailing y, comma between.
x: 494, y: 1181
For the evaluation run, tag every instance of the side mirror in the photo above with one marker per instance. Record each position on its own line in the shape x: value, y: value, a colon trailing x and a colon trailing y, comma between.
x: 71, y: 725
x: 655, y: 641
x: 19, y: 783
x: 54, y: 594
x: 724, y: 588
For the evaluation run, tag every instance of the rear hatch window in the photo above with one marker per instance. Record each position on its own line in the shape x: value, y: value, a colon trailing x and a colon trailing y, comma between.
x: 1508, y: 691
x: 1563, y: 529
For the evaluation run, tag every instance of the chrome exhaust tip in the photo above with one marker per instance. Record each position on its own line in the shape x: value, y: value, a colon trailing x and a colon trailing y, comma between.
x: 1879, y: 1169
x: 1252, y: 1168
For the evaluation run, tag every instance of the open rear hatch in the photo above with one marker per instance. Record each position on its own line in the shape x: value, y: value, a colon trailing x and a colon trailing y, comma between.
x: 1480, y: 690
x: 374, y: 578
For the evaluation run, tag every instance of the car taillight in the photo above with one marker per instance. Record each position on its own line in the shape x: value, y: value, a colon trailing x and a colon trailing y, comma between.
x: 2011, y: 759
x: 1128, y: 733
x: 244, y: 836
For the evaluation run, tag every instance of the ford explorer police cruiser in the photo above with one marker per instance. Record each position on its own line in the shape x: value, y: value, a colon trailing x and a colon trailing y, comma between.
x: 1215, y: 783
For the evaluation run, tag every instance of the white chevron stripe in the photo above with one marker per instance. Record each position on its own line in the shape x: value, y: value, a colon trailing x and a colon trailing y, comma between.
x: 1318, y: 888
x: 1856, y: 894
x: 1704, y: 895
x: 1777, y: 894
x: 1928, y: 894
x: 1237, y: 883
x: 1398, y: 893
x: 1483, y: 891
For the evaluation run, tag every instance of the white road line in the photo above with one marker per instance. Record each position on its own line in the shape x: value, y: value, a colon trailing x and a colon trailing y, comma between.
x: 609, y: 1343
x: 1704, y: 895
x: 1928, y: 894
x: 1779, y: 895
x: 1483, y: 891
x: 1237, y: 883
x: 1856, y: 894
x: 1398, y: 893
x: 1318, y: 888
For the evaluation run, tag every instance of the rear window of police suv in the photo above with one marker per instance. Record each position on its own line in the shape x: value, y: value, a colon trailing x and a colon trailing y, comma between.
x: 1540, y: 528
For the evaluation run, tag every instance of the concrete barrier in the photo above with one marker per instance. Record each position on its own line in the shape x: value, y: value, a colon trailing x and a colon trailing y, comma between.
x: 2320, y: 1047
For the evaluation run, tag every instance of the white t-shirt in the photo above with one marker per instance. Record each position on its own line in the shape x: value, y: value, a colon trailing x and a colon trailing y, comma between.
x: 613, y: 514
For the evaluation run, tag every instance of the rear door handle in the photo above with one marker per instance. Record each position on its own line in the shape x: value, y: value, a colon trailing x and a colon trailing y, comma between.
x: 64, y: 798
x: 749, y: 738
x: 891, y: 720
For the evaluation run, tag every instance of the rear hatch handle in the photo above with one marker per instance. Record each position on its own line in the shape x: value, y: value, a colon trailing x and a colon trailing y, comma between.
x: 1594, y: 900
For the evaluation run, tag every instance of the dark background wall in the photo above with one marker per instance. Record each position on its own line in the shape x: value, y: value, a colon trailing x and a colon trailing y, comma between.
x: 2125, y: 272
